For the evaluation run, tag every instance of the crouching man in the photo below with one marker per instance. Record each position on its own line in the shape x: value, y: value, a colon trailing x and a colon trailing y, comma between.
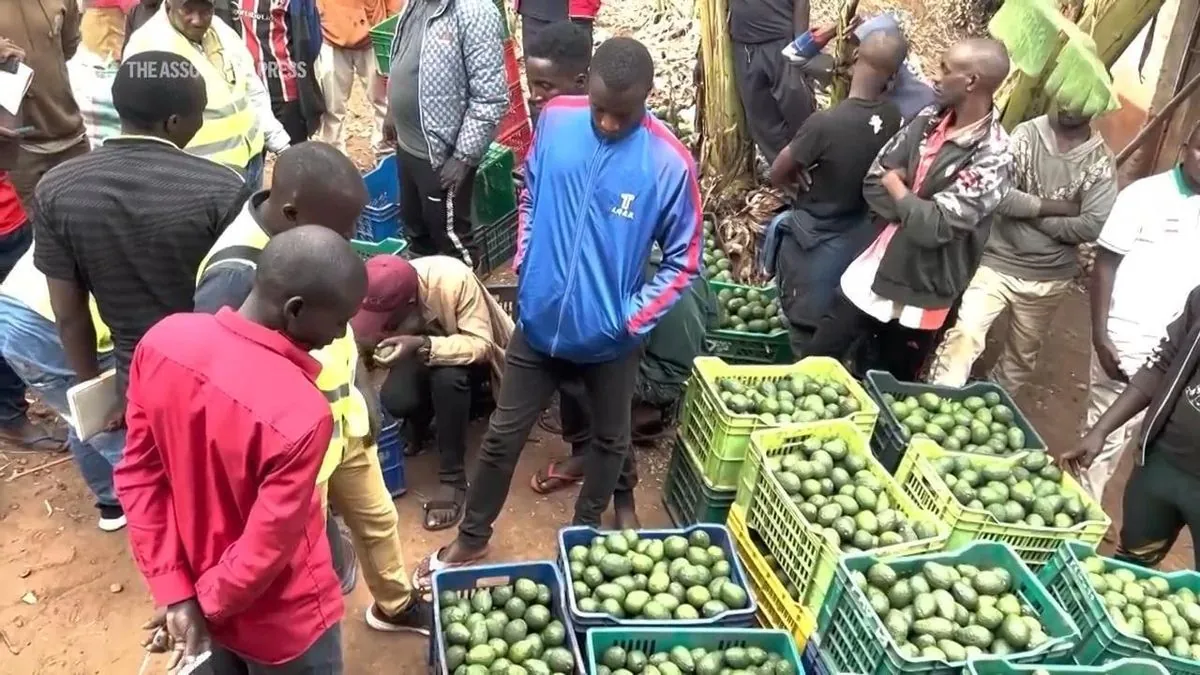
x: 432, y: 323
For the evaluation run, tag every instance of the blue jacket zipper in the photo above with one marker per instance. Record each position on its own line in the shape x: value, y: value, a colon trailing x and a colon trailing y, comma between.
x: 562, y: 308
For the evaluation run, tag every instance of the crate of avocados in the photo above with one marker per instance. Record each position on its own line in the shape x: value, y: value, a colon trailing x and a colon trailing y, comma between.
x: 980, y: 417
x: 779, y: 602
x: 724, y: 403
x: 750, y: 326
x: 704, y: 651
x: 932, y: 613
x: 816, y: 493
x: 1121, y: 667
x: 503, y: 614
x: 1022, y: 500
x: 1125, y: 610
x: 654, y: 578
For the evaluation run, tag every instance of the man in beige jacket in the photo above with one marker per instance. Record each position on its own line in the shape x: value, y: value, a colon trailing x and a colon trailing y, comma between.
x: 434, y: 325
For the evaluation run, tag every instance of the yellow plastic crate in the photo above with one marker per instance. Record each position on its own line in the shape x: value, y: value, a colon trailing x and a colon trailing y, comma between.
x: 808, y: 558
x: 720, y: 437
x: 1035, y: 545
x: 776, y: 609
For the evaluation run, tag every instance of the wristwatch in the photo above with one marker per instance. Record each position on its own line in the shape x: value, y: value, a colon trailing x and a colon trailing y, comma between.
x: 423, y: 350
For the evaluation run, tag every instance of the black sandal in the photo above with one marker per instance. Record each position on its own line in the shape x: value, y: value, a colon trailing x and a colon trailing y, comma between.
x: 456, y: 506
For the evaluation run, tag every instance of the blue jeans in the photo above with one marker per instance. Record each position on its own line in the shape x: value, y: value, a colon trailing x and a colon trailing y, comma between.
x: 254, y: 171
x: 30, y: 344
x: 12, y: 390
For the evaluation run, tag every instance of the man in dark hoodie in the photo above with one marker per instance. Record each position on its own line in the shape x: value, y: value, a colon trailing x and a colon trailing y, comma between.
x: 934, y: 187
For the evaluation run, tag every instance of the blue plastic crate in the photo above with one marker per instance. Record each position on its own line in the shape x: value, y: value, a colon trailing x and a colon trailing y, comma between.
x: 812, y: 661
x: 463, y: 580
x: 391, y: 444
x: 383, y: 182
x: 652, y: 640
x: 582, y: 536
x: 372, y: 229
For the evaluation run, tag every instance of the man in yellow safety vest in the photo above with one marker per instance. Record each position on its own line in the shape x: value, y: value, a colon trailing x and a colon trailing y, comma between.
x: 238, y: 119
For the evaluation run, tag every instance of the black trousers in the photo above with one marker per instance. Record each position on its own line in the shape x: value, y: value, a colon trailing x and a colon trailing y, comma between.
x: 889, y: 346
x: 576, y: 419
x: 530, y: 379
x: 419, y: 394
x: 291, y: 115
x: 774, y: 94
x: 423, y: 209
x: 324, y: 657
x: 1160, y: 500
x: 531, y: 26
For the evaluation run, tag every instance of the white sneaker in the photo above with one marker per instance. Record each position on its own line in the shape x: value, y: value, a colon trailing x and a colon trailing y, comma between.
x: 112, y: 518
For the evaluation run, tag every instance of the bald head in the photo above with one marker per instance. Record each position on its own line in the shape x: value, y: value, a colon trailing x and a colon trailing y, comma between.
x: 884, y: 50
x: 971, y: 72
x: 315, y: 183
x: 313, y: 281
x: 989, y: 59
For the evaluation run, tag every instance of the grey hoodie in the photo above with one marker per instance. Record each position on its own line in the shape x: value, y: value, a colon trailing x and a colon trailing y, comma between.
x: 1043, y: 249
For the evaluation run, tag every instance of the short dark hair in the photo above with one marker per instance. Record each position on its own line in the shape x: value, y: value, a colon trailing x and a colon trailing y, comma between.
x: 884, y: 49
x: 311, y: 262
x: 564, y: 43
x: 623, y: 63
x: 150, y: 87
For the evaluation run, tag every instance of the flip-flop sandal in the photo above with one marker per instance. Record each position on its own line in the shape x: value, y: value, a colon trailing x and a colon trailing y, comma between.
x: 456, y: 505
x: 548, y: 480
x: 422, y: 578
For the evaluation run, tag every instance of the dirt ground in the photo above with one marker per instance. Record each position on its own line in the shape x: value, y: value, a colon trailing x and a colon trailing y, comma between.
x: 72, y: 601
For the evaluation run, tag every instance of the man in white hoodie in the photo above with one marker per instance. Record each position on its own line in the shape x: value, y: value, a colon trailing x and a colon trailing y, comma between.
x: 1064, y: 186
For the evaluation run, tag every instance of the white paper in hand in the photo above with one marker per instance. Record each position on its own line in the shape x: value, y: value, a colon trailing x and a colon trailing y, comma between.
x: 13, y: 87
x: 92, y: 403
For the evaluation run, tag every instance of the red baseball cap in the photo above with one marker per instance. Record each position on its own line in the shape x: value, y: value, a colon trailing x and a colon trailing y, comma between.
x: 391, y: 284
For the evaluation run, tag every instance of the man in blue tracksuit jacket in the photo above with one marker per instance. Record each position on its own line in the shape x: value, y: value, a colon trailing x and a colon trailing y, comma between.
x: 604, y: 181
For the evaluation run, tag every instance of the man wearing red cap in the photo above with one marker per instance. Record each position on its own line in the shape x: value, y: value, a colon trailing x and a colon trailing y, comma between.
x: 438, y: 330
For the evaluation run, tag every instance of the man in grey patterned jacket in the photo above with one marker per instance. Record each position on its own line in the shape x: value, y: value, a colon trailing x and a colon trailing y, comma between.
x: 446, y: 94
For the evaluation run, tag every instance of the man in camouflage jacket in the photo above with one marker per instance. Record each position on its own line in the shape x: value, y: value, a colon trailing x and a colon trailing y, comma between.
x: 446, y: 94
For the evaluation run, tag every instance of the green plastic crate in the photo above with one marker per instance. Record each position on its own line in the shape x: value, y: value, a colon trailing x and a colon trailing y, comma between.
x: 687, y: 496
x: 720, y: 437
x: 890, y: 439
x: 496, y: 244
x: 772, y: 348
x: 1122, y: 667
x: 381, y: 42
x: 652, y: 640
x: 776, y: 608
x: 1100, y: 640
x: 1036, y: 545
x: 369, y: 249
x: 853, y: 639
x: 494, y: 197
x: 800, y: 547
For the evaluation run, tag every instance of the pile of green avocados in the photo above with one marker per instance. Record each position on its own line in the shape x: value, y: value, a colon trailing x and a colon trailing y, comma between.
x: 980, y: 424
x: 676, y: 578
x: 798, y: 398
x: 506, y: 630
x: 684, y: 661
x: 717, y: 265
x: 1148, y: 608
x: 749, y: 310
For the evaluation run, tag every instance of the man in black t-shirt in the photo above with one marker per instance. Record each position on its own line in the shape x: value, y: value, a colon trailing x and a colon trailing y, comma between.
x: 827, y: 160
x: 773, y: 91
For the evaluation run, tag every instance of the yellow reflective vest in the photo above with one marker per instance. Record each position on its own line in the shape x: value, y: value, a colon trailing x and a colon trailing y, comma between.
x: 238, y: 245
x: 230, y: 134
x: 27, y: 285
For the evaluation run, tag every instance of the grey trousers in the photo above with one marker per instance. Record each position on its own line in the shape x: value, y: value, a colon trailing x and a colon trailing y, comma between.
x: 774, y: 93
x: 324, y: 657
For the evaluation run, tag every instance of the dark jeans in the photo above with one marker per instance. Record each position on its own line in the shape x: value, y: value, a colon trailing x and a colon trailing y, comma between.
x: 12, y: 390
x: 576, y: 419
x: 774, y: 94
x: 530, y: 379
x: 419, y: 394
x: 531, y: 26
x: 291, y: 115
x: 324, y: 657
x: 1160, y: 500
x: 427, y: 226
x: 899, y: 350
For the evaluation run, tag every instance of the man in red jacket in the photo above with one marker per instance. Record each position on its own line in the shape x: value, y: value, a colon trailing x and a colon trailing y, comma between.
x: 219, y: 476
x: 537, y: 14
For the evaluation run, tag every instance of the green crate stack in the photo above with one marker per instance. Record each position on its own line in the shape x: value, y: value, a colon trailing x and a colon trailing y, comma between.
x: 808, y: 558
x: 688, y: 496
x: 923, y: 482
x: 770, y: 348
x: 494, y: 197
x: 651, y: 641
x: 369, y: 249
x: 853, y: 639
x: 1122, y: 667
x: 719, y: 437
x: 1102, y: 640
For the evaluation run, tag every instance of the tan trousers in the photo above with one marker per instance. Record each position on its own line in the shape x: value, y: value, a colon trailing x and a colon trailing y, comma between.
x: 358, y: 494
x: 1102, y: 392
x: 1031, y: 306
x: 338, y: 69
